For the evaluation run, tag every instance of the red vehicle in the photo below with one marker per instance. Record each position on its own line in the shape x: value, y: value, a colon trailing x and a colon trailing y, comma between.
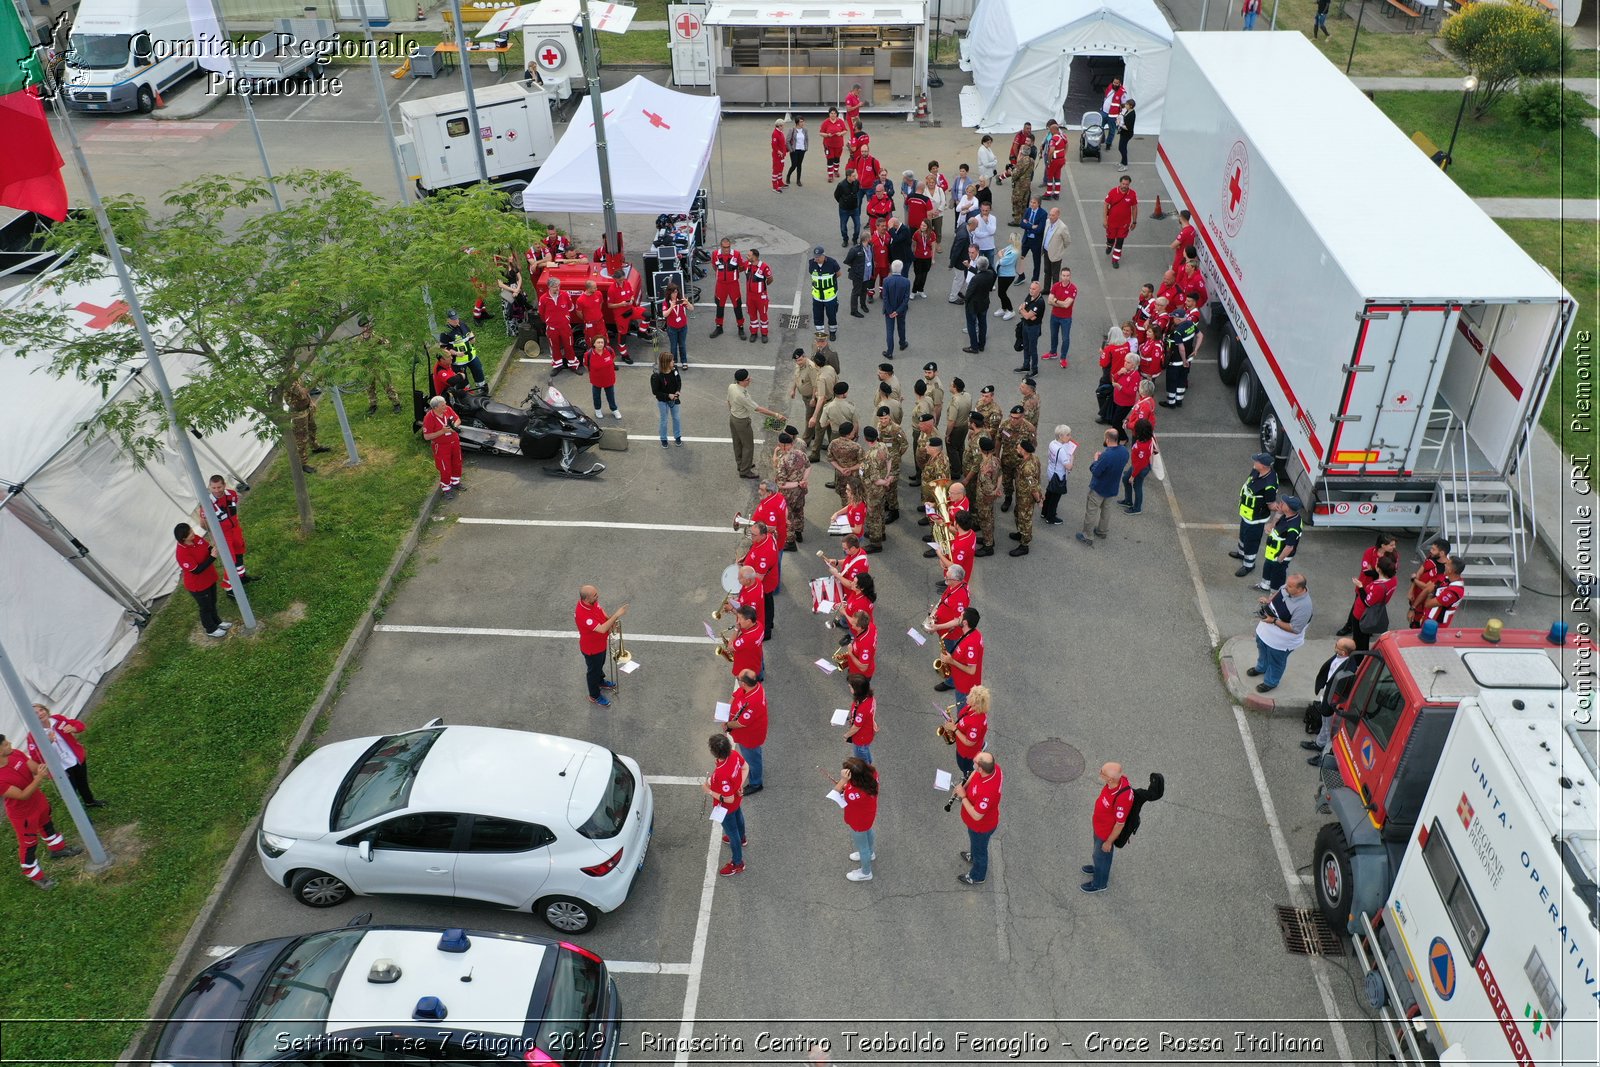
x: 574, y: 274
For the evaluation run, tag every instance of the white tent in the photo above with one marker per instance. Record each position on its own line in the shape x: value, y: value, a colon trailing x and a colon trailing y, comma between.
x: 85, y: 533
x: 659, y: 143
x: 1021, y: 54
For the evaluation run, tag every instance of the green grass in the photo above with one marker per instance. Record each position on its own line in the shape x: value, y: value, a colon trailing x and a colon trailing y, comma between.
x: 1378, y: 53
x: 636, y: 46
x: 1569, y: 250
x: 187, y: 739
x: 1585, y: 63
x: 1498, y: 155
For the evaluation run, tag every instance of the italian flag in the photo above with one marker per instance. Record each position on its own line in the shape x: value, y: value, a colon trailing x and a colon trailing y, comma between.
x: 30, y: 165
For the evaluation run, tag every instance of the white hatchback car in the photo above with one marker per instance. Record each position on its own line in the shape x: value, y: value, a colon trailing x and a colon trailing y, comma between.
x: 527, y: 821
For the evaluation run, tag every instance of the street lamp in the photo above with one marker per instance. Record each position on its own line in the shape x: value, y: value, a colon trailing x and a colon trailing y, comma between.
x: 1468, y: 84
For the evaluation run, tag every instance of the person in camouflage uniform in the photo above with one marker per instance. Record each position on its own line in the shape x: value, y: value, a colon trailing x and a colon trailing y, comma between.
x: 894, y: 439
x: 816, y: 432
x: 1029, y: 496
x: 989, y: 408
x: 835, y: 413
x: 922, y: 414
x: 1013, y: 432
x: 844, y: 453
x: 935, y: 471
x: 930, y: 374
x: 984, y: 494
x: 1021, y: 174
x: 886, y: 399
x: 804, y: 388
x: 791, y: 471
x: 1030, y: 402
x: 303, y: 422
x: 875, y: 477
x: 971, y: 454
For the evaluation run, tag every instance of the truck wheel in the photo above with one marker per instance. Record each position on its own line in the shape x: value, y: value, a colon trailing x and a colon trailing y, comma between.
x: 1249, y: 400
x: 1274, y: 442
x: 1330, y: 869
x: 146, y: 100
x: 1230, y: 357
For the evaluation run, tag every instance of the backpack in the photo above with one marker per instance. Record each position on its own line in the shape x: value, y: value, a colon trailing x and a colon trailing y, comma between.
x: 1157, y: 789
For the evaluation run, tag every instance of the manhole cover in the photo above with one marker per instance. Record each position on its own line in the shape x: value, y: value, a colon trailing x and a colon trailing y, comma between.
x: 1306, y: 933
x: 1055, y: 761
x: 796, y: 321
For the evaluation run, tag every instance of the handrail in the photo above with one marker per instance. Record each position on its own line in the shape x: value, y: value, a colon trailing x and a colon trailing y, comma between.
x: 1466, y: 467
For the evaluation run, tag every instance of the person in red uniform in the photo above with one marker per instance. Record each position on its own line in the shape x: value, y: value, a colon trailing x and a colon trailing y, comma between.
x: 440, y: 428
x: 833, y: 130
x: 854, y: 563
x: 1169, y: 291
x: 1373, y: 596
x: 852, y: 108
x: 862, y: 723
x: 198, y: 564
x: 1191, y: 280
x: 622, y: 307
x: 980, y: 811
x: 594, y: 632
x: 442, y: 373
x: 863, y: 598
x: 225, y: 503
x: 858, y: 785
x: 727, y: 266
x: 1124, y: 389
x: 854, y: 512
x: 1024, y: 137
x: 1426, y: 578
x: 725, y: 786
x: 773, y: 510
x: 757, y: 280
x: 963, y: 546
x: 1383, y: 545
x: 763, y: 558
x: 863, y: 656
x: 868, y: 169
x: 603, y: 376
x: 1144, y: 404
x: 22, y: 785
x: 780, y: 155
x: 749, y: 594
x: 1055, y: 160
x: 1152, y: 355
x: 557, y: 244
x: 746, y: 643
x: 880, y: 205
x: 953, y: 602
x: 1111, y: 810
x: 1448, y: 594
x: 1121, y: 216
x: 63, y: 733
x: 591, y: 305
x: 969, y: 729
x: 965, y: 660
x: 555, y: 312
x: 747, y: 725
x: 1185, y: 239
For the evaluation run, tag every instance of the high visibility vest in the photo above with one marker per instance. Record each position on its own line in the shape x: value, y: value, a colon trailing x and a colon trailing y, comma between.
x: 1252, y: 497
x: 1281, y: 536
x: 824, y: 284
x: 465, y: 353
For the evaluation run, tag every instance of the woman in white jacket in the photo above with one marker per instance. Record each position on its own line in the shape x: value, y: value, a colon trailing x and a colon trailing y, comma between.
x: 988, y: 164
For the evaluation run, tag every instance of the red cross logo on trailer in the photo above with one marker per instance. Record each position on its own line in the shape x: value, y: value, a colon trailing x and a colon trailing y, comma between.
x: 101, y: 317
x: 551, y: 55
x: 1464, y: 810
x: 656, y: 120
x: 1402, y: 400
x: 851, y: 14
x: 1236, y: 188
x: 687, y: 26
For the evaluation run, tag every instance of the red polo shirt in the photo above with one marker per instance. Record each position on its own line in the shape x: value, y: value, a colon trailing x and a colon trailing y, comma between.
x: 957, y: 598
x: 969, y: 650
x: 856, y: 563
x: 864, y: 647
x: 971, y: 729
x: 746, y: 649
x: 763, y: 556
x: 864, y: 716
x: 860, y: 806
x: 983, y: 793
x: 855, y: 602
x: 1112, y: 807
x: 14, y: 772
x: 774, y: 511
x: 747, y: 719
x: 962, y: 548
x: 587, y: 617
x: 727, y: 779
x: 752, y: 595
x: 197, y: 564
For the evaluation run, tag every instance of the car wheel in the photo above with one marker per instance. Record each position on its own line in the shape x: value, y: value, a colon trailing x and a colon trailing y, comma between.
x: 1331, y: 872
x: 317, y: 890
x: 567, y: 914
x: 1249, y: 400
x: 1230, y: 357
x: 146, y: 100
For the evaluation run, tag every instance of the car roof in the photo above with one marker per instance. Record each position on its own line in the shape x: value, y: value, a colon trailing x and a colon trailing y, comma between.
x: 515, y: 774
x: 488, y: 988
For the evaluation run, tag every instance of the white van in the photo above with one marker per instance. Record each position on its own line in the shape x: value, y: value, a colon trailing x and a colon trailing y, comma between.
x: 123, y: 52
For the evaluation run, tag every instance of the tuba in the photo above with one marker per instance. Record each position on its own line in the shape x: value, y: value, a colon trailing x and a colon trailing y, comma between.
x: 942, y: 537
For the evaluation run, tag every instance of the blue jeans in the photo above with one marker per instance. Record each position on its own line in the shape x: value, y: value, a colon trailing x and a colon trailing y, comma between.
x: 678, y: 343
x: 752, y: 756
x: 964, y: 765
x: 666, y: 407
x: 1030, y: 346
x: 867, y: 844
x: 862, y: 752
x: 980, y: 853
x: 611, y: 396
x: 1320, y: 22
x: 890, y: 326
x: 1270, y: 662
x: 1250, y: 20
x: 1133, y: 488
x: 1060, y: 335
x: 1102, y: 864
x: 733, y: 826
x: 978, y: 327
x: 473, y: 366
x: 851, y: 217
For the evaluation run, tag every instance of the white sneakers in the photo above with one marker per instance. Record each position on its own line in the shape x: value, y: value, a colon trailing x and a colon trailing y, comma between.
x: 858, y: 876
x: 998, y: 312
x: 857, y: 856
x: 615, y: 414
x: 1008, y: 316
x: 220, y: 631
x: 599, y: 414
x: 225, y: 625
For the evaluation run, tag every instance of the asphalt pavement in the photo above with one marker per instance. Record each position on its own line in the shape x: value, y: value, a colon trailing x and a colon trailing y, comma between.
x: 1110, y: 650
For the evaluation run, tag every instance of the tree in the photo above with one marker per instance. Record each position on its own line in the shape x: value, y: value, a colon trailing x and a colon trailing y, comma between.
x: 252, y: 301
x: 1503, y: 42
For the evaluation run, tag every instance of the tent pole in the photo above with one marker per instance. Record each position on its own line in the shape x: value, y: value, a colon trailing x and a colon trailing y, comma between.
x: 106, y: 580
x: 591, y: 73
x: 1205, y: 6
x: 933, y: 81
x: 240, y: 482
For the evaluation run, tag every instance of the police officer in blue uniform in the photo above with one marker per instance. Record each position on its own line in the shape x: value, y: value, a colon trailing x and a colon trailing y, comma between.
x: 1260, y: 489
x: 1282, y: 541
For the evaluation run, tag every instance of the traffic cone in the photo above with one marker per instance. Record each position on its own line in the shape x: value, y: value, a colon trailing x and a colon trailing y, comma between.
x: 160, y: 103
x: 922, y: 106
x: 421, y: 14
x: 1158, y: 213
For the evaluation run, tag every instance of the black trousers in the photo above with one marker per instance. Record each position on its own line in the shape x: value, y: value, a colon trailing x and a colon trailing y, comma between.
x: 79, y: 777
x: 858, y: 296
x: 207, y: 601
x: 919, y: 274
x: 797, y: 159
x: 594, y: 666
x: 767, y: 601
x: 955, y: 447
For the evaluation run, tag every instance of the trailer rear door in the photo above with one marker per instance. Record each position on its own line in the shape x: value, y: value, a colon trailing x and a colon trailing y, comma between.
x: 1389, y: 383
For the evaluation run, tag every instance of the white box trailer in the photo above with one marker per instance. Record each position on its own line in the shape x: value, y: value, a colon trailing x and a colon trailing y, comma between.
x: 1487, y: 942
x: 514, y: 122
x: 1395, y: 345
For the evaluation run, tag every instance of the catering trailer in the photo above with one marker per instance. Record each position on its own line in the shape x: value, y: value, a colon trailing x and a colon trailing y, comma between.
x: 1394, y: 345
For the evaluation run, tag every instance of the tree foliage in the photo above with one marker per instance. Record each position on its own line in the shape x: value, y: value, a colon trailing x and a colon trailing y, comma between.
x: 1548, y: 105
x: 247, y: 299
x: 1502, y: 42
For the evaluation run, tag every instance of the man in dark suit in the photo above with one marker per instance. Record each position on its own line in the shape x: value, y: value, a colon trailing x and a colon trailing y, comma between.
x: 896, y: 303
x: 1333, y: 668
x: 900, y: 246
x: 977, y: 301
x: 858, y: 266
x: 1033, y: 222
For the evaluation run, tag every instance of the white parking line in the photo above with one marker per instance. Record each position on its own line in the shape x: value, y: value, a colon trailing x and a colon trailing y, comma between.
x: 692, y: 440
x: 1208, y: 526
x: 597, y: 525
x: 558, y: 635
x: 673, y: 779
x: 645, y: 967
x: 1215, y: 436
x: 697, y: 958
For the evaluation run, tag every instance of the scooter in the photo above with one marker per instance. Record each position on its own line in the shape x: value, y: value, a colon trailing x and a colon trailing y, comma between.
x: 546, y: 427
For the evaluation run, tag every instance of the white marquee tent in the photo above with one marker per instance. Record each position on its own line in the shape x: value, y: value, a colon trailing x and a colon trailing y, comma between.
x: 659, y: 144
x: 1021, y: 54
x: 85, y: 533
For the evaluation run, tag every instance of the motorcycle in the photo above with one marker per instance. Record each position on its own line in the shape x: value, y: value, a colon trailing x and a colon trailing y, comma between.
x: 547, y: 426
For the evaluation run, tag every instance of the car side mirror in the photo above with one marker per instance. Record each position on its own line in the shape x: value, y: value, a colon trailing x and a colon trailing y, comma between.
x: 364, y: 849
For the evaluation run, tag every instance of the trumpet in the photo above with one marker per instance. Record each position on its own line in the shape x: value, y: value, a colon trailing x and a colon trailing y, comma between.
x: 723, y: 651
x: 841, y: 656
x: 740, y: 522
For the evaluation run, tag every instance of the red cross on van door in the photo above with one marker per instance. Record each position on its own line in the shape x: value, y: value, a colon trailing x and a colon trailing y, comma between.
x: 687, y: 26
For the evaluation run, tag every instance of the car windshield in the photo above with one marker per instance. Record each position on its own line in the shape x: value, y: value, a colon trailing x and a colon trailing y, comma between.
x: 615, y: 802
x: 293, y: 1003
x: 570, y: 1029
x: 100, y: 51
x: 381, y: 781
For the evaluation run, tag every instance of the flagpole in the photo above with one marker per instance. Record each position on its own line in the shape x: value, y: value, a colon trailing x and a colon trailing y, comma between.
x: 249, y: 109
x: 472, y: 100
x: 591, y: 73
x: 383, y: 102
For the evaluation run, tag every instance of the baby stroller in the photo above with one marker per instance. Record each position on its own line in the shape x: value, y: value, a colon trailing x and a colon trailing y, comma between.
x: 1092, y: 137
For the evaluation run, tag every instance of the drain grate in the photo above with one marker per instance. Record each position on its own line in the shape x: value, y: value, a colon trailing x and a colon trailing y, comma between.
x: 795, y: 321
x: 1055, y: 761
x: 1306, y: 933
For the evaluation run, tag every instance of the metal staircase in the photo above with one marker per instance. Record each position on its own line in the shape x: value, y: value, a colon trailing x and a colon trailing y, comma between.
x: 1484, y: 522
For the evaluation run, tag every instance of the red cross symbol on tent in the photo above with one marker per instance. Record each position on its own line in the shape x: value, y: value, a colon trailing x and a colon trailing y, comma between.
x: 1235, y: 190
x: 101, y: 317
x: 605, y: 116
x: 687, y: 25
x: 656, y: 120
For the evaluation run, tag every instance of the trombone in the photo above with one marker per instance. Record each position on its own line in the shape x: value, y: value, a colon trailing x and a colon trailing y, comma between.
x: 618, y: 653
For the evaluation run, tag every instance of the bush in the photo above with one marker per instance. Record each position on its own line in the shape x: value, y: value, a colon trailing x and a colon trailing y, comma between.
x: 1547, y: 105
x: 1501, y: 43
